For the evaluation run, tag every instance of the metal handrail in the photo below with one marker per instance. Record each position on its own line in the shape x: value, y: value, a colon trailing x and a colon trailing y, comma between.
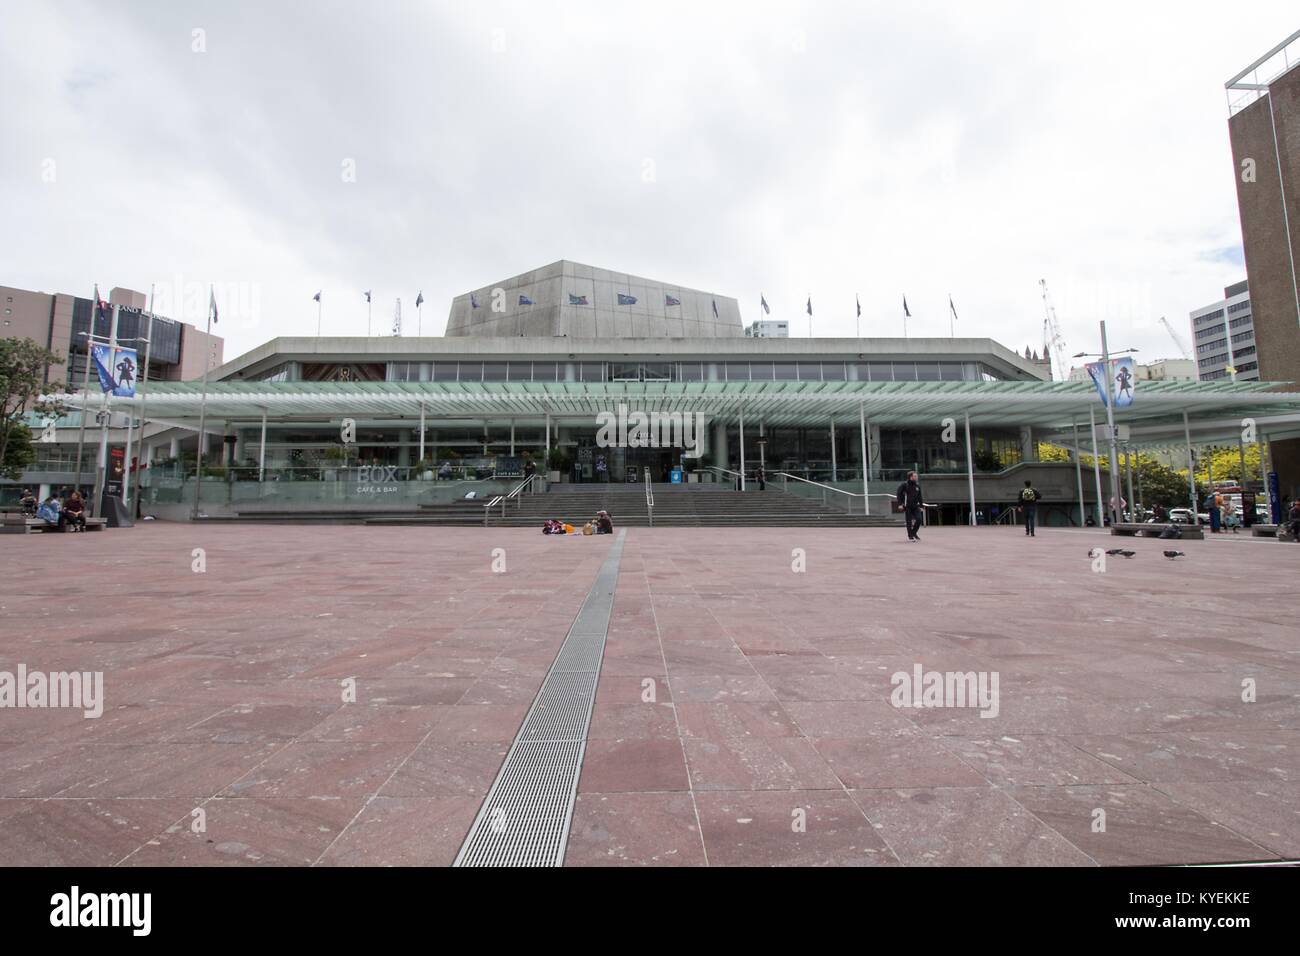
x: 785, y: 476
x: 649, y: 499
x: 514, y: 494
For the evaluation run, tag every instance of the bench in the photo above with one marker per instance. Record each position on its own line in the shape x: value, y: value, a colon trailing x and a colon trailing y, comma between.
x: 18, y: 524
x: 1264, y: 530
x: 1187, y: 532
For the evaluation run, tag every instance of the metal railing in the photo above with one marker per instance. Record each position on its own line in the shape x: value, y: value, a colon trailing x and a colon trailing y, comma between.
x: 649, y: 499
x: 514, y: 495
x: 847, y: 499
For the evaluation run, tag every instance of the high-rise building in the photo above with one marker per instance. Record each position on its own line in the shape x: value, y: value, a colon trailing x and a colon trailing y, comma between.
x: 768, y: 329
x: 1223, y: 334
x: 1264, y: 127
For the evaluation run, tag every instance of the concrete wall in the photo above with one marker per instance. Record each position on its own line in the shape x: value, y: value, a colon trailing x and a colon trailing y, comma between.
x: 551, y: 314
x: 1269, y: 267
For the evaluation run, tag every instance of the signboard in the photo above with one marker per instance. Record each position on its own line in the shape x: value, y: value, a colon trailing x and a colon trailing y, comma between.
x: 1123, y: 380
x: 1274, y: 499
x: 675, y: 477
x: 508, y: 467
x: 117, y: 368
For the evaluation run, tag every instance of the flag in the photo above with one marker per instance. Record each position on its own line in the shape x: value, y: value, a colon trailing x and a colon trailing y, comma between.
x: 715, y: 308
x: 669, y: 300
x: 473, y: 302
x: 577, y: 299
x: 212, y: 304
x: 367, y: 296
x: 524, y: 300
x: 122, y: 361
x: 906, y: 313
x: 626, y: 299
x: 858, y: 300
x: 1122, y: 380
x: 952, y: 307
x: 101, y: 308
x: 316, y: 297
x: 810, y: 305
x: 419, y: 299
x: 763, y: 302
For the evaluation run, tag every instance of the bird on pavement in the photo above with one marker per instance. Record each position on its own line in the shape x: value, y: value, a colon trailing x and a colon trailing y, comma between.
x: 1174, y: 554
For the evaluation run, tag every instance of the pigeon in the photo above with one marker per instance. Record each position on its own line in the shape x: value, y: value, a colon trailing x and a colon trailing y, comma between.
x: 1127, y: 554
x: 1174, y: 554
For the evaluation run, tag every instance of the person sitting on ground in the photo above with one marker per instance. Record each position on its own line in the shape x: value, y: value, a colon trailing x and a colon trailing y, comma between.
x: 552, y: 527
x: 74, y: 514
x: 604, y: 523
x: 1293, y: 520
x: 29, y: 503
x: 49, y: 511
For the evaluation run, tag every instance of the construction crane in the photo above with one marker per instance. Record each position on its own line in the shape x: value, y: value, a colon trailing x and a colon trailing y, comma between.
x: 1053, y: 341
x: 1177, y: 340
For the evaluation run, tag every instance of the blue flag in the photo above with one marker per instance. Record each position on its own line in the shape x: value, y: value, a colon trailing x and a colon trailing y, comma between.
x: 116, y: 369
x: 906, y: 313
x: 669, y: 300
x: 577, y: 299
x: 473, y: 302
x: 524, y: 300
x: 763, y: 302
x: 810, y: 305
x: 419, y: 299
x: 626, y: 299
x: 316, y: 297
x: 715, y: 308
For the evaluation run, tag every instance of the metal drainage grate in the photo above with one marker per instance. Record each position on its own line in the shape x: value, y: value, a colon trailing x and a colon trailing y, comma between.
x: 524, y: 820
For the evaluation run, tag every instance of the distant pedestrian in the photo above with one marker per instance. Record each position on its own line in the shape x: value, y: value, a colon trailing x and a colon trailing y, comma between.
x: 910, y: 500
x: 761, y: 477
x: 1293, y: 520
x: 1029, y: 496
x: 1212, y: 506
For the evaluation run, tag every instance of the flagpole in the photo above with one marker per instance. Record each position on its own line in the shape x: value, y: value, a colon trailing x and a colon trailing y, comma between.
x: 144, y: 381
x: 368, y: 312
x: 952, y: 313
x: 203, y: 411
x: 101, y: 465
x: 85, y: 387
x: 318, y: 311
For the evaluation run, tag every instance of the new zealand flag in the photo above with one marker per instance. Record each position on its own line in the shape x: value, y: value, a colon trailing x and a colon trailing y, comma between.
x: 626, y: 299
x: 669, y: 300
x: 577, y: 299
x: 524, y: 300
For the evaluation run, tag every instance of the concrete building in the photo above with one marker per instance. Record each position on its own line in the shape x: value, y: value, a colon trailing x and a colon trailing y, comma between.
x: 768, y: 329
x: 1223, y: 334
x: 60, y: 322
x: 1161, y: 370
x: 1264, y: 128
x: 570, y: 299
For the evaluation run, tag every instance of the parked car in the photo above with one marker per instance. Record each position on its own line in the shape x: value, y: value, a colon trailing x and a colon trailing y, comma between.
x: 1180, y: 515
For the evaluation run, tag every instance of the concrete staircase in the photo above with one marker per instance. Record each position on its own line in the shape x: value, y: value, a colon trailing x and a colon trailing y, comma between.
x: 682, y: 506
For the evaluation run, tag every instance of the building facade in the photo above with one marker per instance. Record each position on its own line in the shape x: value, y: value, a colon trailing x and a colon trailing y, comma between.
x: 1223, y: 334
x: 1264, y: 129
x: 768, y: 329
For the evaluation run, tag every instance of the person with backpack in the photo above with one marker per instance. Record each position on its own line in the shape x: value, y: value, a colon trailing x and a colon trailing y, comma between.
x: 911, y: 502
x: 1029, y: 496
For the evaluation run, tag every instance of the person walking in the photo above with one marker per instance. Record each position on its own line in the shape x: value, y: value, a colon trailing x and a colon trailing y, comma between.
x: 761, y: 477
x: 910, y: 500
x: 1029, y: 496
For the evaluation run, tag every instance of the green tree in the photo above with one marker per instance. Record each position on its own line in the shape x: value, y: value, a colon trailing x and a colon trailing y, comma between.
x: 23, y: 367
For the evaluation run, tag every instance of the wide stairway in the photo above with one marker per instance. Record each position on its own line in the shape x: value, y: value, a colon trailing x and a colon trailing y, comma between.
x: 678, y: 506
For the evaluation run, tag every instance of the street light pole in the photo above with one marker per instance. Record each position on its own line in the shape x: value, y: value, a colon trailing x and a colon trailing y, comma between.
x: 1110, y: 427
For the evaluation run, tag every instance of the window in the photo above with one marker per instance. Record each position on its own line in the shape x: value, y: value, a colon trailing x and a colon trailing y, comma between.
x: 493, y: 371
x: 833, y: 371
x: 593, y: 371
x: 810, y: 371
x: 444, y: 371
x: 658, y: 372
x: 904, y: 371
x: 471, y: 371
x: 690, y: 372
x: 624, y: 372
x: 927, y: 371
x: 785, y: 371
x: 520, y: 372
x: 737, y: 371
x: 542, y: 371
x: 881, y: 371
x: 760, y: 371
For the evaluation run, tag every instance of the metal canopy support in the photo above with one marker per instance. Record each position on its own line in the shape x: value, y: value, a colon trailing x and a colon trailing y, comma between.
x: 1191, y: 471
x: 742, y: 448
x: 866, y: 458
x: 970, y: 471
x: 1096, y: 466
x: 261, y: 451
x: 835, y: 473
x: 421, y: 431
x: 1078, y: 475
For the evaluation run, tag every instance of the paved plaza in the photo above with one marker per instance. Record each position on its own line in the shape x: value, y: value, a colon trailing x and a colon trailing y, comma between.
x: 742, y: 716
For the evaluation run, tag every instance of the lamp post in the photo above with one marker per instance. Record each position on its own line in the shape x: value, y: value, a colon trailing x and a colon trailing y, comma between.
x: 1109, y: 401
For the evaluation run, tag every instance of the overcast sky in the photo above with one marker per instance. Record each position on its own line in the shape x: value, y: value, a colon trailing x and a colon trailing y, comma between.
x: 914, y: 149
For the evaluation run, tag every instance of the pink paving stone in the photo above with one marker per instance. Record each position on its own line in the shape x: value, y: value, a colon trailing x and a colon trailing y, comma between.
x: 1119, y: 690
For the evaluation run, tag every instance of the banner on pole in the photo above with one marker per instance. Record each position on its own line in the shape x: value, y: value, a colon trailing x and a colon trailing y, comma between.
x: 117, y: 369
x: 1123, y: 381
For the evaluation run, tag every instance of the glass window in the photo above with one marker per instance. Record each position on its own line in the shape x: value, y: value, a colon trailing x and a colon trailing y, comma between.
x: 624, y: 372
x: 810, y: 371
x: 950, y: 371
x: 444, y: 371
x: 658, y: 372
x: 737, y: 371
x: 760, y: 371
x: 494, y: 371
x: 593, y: 371
x: 785, y: 371
x: 881, y: 372
x: 691, y: 372
x: 832, y: 371
x: 927, y: 371
x: 904, y: 371
x: 542, y: 371
x: 471, y: 371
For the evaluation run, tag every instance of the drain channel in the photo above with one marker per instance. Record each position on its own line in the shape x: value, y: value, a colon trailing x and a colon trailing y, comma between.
x: 524, y: 820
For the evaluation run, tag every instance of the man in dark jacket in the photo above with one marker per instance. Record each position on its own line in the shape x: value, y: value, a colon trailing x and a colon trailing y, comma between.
x: 909, y: 499
x: 1029, y: 496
